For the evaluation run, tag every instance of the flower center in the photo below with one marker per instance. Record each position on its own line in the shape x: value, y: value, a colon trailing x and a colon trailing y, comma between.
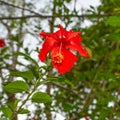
x: 58, y: 58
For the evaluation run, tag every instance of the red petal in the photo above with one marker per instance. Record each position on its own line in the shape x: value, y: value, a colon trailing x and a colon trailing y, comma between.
x: 61, y: 28
x: 2, y: 43
x: 82, y: 51
x: 74, y: 44
x: 47, y: 46
x: 43, y: 34
x: 78, y: 47
x: 54, y: 34
x: 63, y: 31
x: 86, y: 118
x: 76, y: 40
x: 59, y: 34
x: 71, y: 35
x: 68, y: 61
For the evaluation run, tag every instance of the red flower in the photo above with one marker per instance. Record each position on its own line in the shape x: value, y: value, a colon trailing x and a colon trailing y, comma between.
x: 2, y: 43
x: 59, y: 44
x: 86, y: 118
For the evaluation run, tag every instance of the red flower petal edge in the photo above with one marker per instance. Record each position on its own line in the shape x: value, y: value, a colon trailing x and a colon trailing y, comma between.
x: 59, y: 44
x: 86, y: 118
x: 63, y: 61
x: 2, y: 43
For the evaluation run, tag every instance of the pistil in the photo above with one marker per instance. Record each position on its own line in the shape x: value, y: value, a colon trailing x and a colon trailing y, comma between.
x: 58, y: 58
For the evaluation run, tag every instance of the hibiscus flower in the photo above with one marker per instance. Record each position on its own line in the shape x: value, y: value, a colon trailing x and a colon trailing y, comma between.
x: 2, y: 42
x: 60, y: 44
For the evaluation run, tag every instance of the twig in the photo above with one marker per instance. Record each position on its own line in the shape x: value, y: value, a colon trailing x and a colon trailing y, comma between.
x: 50, y: 16
x: 18, y: 7
x: 115, y: 105
x: 66, y: 88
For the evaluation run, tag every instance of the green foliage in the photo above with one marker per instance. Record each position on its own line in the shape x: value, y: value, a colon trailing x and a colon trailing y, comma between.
x: 114, y: 37
x: 7, y: 112
x: 23, y: 111
x: 4, y: 54
x: 114, y: 21
x: 16, y: 86
x: 41, y: 97
x: 28, y: 57
x: 88, y: 88
x: 26, y: 74
x: 2, y: 118
x: 67, y: 107
x: 15, y: 104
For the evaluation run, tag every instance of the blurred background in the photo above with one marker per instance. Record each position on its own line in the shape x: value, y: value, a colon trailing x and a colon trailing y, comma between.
x: 91, y: 90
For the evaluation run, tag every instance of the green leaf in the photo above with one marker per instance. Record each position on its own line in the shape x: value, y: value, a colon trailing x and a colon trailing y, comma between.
x: 68, y: 82
x: 92, y: 7
x: 117, y: 113
x: 66, y: 9
x: 52, y: 78
x: 2, y: 118
x: 67, y: 107
x: 16, y: 103
x: 115, y: 52
x: 68, y: 1
x: 104, y: 112
x: 14, y: 37
x: 115, y: 37
x: 28, y: 57
x: 3, y: 50
x: 114, y: 84
x: 114, y: 21
x: 26, y: 74
x: 23, y: 111
x: 16, y: 86
x: 7, y: 111
x: 41, y: 97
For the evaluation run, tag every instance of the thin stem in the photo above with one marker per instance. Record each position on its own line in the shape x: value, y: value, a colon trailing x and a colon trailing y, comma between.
x: 68, y: 89
x: 18, y: 7
x: 29, y: 95
x: 56, y: 16
x: 89, y: 98
x: 115, y: 105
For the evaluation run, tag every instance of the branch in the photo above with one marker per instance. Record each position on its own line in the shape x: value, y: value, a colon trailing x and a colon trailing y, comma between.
x: 116, y: 103
x: 12, y: 5
x: 24, y: 17
x: 37, y: 15
x: 57, y: 16
x: 68, y: 89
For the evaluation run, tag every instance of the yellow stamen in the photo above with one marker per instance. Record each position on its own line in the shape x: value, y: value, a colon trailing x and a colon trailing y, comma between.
x: 58, y: 58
